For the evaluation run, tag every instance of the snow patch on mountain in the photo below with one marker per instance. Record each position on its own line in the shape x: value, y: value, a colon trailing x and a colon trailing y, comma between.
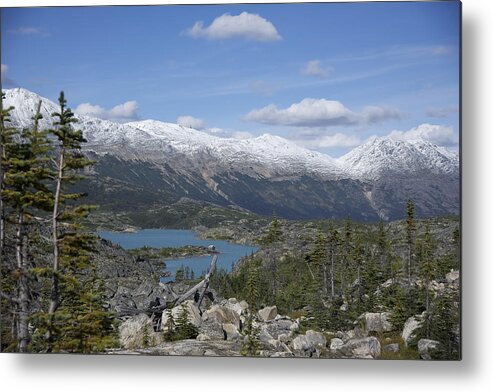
x: 385, y: 156
x: 267, y: 155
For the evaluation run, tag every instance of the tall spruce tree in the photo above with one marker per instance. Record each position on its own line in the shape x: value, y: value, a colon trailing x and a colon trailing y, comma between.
x: 25, y: 192
x: 272, y: 236
x: 410, y: 233
x: 250, y: 346
x: 334, y: 242
x: 67, y: 231
x: 7, y: 133
x: 427, y: 269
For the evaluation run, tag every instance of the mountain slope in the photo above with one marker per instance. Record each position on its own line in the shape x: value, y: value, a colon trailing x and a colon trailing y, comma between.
x: 384, y: 156
x: 149, y: 163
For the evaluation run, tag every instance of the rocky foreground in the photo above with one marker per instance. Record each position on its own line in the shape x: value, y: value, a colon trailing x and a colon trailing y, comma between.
x: 221, y: 334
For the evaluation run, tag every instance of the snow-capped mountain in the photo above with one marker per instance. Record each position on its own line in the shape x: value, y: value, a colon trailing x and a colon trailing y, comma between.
x: 263, y: 174
x: 158, y: 141
x: 383, y: 156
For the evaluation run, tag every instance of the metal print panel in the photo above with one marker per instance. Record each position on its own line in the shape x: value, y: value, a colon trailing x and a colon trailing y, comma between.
x: 264, y: 180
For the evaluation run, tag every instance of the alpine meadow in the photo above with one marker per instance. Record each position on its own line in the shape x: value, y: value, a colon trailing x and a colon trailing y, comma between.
x: 261, y: 180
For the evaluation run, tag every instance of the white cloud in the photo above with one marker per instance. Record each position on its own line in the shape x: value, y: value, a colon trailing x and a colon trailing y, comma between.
x: 6, y: 82
x: 124, y: 112
x: 241, y: 135
x: 377, y: 114
x: 4, y: 70
x: 438, y: 134
x: 246, y: 25
x: 190, y: 122
x: 330, y: 141
x: 312, y: 112
x: 230, y: 134
x: 313, y: 68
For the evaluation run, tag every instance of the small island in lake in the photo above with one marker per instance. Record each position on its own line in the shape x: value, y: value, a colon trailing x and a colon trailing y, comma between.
x: 151, y: 253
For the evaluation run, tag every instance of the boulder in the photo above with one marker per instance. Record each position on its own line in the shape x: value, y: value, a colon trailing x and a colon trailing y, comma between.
x: 452, y: 276
x: 235, y: 306
x: 132, y: 332
x: 264, y: 335
x: 230, y: 331
x: 278, y: 326
x: 222, y: 314
x: 410, y: 327
x: 212, y: 328
x: 201, y: 337
x: 316, y: 338
x: 309, y: 342
x: 268, y: 313
x: 375, y: 322
x: 193, y: 313
x: 301, y: 343
x: 365, y: 348
x: 425, y: 346
x: 336, y: 344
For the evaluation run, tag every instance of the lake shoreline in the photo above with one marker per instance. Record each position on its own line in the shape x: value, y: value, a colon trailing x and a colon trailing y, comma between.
x: 176, y: 248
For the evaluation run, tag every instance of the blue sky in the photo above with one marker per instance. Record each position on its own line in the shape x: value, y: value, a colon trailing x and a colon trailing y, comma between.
x: 326, y: 76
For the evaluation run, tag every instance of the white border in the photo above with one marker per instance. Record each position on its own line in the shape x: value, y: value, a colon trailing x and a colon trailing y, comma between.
x: 102, y: 373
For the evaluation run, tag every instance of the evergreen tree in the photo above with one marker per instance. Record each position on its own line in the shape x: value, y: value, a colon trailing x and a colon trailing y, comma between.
x: 184, y: 327
x: 66, y: 241
x: 444, y: 327
x: 334, y: 242
x: 397, y: 301
x: 170, y: 326
x: 252, y: 293
x: 410, y: 232
x: 346, y: 250
x: 25, y: 192
x: 6, y: 142
x: 272, y: 236
x: 180, y: 274
x: 251, y: 341
x: 427, y: 266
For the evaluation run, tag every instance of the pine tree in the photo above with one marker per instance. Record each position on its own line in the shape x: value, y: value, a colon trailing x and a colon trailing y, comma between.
x: 272, y: 236
x: 253, y: 294
x: 400, y: 313
x: 180, y: 274
x: 334, y: 242
x: 274, y: 232
x: 346, y: 250
x: 251, y: 341
x: 6, y: 142
x: 25, y: 192
x: 184, y: 328
x: 67, y: 240
x: 410, y: 232
x: 427, y: 267
x: 169, y: 329
x: 444, y: 327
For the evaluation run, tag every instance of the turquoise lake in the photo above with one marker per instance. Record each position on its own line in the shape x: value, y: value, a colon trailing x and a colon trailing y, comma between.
x: 229, y: 253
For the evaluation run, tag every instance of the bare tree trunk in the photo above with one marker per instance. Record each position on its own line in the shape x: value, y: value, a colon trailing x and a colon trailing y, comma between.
x: 54, y: 298
x: 332, y: 262
x: 326, y: 280
x: 23, y: 334
x: 2, y: 224
x: 409, y: 265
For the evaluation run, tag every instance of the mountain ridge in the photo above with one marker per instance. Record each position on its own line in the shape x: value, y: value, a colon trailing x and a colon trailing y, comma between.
x: 263, y: 174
